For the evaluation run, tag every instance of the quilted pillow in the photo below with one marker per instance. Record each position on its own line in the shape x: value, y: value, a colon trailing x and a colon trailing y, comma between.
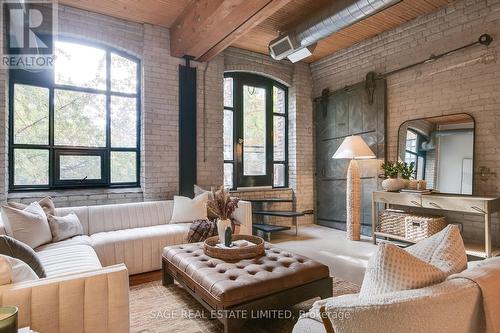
x: 445, y: 250
x: 393, y: 269
x: 64, y: 227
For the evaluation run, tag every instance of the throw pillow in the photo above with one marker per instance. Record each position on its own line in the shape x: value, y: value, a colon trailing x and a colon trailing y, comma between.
x: 201, y: 230
x: 445, y: 250
x: 29, y: 225
x: 189, y: 210
x: 198, y: 191
x: 46, y: 203
x: 64, y: 227
x: 393, y: 269
x: 18, y: 270
x: 13, y: 248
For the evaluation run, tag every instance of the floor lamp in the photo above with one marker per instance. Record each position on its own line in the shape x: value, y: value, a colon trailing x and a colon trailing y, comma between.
x: 353, y: 148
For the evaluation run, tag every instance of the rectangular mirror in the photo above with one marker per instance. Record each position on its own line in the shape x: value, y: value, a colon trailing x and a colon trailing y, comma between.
x: 442, y: 149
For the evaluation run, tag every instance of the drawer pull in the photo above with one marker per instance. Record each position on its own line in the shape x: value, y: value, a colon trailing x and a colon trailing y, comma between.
x: 478, y: 209
x: 433, y: 204
x: 415, y: 203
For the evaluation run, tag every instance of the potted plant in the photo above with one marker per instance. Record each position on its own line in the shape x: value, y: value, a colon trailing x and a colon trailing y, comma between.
x: 392, y: 171
x: 223, y: 206
x: 407, y: 172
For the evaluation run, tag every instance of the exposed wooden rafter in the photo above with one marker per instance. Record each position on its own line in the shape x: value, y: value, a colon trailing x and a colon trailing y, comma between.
x: 207, y: 27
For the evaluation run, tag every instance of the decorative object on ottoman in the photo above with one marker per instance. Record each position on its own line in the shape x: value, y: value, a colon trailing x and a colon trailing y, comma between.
x: 227, y: 237
x: 254, y: 248
x: 201, y: 230
x: 223, y: 206
x: 8, y: 319
x: 353, y: 148
x: 418, y: 227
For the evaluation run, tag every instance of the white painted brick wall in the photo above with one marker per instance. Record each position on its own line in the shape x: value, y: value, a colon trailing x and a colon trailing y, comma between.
x: 159, y: 113
x: 467, y: 81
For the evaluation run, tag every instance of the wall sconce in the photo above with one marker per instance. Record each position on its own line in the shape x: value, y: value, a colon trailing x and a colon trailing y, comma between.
x: 485, y: 173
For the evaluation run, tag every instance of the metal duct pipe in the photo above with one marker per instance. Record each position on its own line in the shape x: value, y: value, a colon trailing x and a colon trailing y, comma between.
x: 333, y: 20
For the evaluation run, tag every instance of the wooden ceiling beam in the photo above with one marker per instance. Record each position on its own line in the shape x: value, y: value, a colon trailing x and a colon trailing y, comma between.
x: 207, y: 27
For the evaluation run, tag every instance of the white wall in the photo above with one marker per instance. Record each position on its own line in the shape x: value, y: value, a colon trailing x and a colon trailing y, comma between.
x: 453, y: 149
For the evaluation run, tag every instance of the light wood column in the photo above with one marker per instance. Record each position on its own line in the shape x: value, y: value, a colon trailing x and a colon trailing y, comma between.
x: 353, y: 203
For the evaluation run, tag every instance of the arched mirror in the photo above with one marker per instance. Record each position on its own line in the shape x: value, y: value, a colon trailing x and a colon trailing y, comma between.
x: 442, y: 149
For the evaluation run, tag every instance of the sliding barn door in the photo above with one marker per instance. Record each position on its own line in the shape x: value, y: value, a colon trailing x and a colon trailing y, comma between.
x: 350, y: 111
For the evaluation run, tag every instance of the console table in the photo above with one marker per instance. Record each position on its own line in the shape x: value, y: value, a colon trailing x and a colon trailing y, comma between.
x: 457, y: 203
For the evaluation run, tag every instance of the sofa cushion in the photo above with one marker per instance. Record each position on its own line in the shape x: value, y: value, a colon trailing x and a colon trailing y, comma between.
x: 28, y: 225
x: 16, y: 249
x: 393, y: 269
x: 68, y: 258
x: 128, y: 216
x: 77, y: 240
x: 445, y: 250
x: 139, y: 249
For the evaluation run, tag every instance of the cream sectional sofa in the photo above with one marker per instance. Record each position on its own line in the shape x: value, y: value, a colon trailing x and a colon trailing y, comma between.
x: 86, y: 288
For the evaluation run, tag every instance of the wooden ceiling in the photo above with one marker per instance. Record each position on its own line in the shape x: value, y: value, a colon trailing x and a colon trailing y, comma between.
x: 159, y: 12
x: 255, y: 32
x: 291, y: 14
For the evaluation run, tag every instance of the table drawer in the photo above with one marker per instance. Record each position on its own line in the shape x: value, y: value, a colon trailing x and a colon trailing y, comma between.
x: 458, y: 204
x: 403, y: 199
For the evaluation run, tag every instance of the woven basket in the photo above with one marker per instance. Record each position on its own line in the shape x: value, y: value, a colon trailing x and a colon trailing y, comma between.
x: 392, y: 222
x: 254, y: 249
x: 418, y: 227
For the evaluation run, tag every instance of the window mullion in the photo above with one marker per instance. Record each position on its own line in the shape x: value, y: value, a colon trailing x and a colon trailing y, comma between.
x: 107, y: 157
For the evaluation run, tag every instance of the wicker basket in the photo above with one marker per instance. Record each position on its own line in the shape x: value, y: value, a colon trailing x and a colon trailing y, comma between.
x: 418, y: 227
x: 254, y: 249
x: 392, y: 222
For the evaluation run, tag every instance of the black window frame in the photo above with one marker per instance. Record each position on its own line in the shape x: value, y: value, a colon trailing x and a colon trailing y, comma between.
x: 240, y: 79
x: 46, y: 79
x: 420, y: 139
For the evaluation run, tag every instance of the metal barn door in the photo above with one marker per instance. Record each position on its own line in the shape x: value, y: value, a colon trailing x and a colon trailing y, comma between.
x: 352, y: 111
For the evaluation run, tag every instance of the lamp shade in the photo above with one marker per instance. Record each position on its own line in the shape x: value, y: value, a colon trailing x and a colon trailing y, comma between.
x: 354, y: 147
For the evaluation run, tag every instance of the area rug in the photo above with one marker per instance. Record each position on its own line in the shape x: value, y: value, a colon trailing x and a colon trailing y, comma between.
x: 158, y: 309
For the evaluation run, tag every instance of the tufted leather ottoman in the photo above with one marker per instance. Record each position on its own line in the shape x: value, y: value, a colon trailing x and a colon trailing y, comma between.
x: 273, y: 281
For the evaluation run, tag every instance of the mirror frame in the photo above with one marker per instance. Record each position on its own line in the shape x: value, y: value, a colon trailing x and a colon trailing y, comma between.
x: 473, y: 147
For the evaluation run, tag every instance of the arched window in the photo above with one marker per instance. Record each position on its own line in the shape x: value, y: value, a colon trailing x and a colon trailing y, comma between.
x: 78, y: 124
x: 255, y: 131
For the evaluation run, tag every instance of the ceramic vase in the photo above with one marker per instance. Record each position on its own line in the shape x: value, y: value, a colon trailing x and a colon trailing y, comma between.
x: 394, y: 184
x: 221, y: 229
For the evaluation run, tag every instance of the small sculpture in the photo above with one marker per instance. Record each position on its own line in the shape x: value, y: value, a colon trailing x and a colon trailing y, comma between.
x: 227, y: 237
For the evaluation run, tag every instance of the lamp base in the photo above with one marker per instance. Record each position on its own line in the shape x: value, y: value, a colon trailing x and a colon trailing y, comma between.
x: 353, y: 203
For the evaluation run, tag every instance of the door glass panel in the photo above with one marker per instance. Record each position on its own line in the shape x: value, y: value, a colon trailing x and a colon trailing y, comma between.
x: 279, y: 175
x: 228, y: 175
x: 228, y: 92
x: 278, y: 100
x: 279, y: 138
x: 254, y: 131
x: 228, y: 135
